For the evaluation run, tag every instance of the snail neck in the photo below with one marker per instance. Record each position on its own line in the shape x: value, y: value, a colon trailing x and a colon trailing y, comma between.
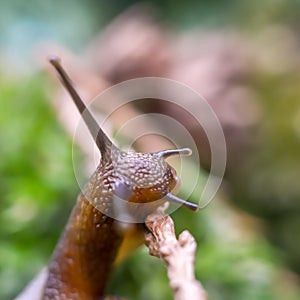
x: 84, y: 256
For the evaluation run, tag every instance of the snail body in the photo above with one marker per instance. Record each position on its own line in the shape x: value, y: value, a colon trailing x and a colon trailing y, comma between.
x: 85, y: 254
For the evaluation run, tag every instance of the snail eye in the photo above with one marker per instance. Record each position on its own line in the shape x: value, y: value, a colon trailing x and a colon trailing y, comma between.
x: 177, y: 186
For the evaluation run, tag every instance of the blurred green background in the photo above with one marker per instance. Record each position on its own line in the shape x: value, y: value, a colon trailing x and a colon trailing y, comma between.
x: 248, y: 237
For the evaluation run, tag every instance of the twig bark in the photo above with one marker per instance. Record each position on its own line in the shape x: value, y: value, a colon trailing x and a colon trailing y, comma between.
x: 178, y: 254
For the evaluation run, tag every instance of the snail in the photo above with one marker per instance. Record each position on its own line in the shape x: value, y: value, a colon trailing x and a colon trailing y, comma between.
x: 85, y: 254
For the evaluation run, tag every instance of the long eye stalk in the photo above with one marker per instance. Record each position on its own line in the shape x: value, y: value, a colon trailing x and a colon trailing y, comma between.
x: 103, y: 142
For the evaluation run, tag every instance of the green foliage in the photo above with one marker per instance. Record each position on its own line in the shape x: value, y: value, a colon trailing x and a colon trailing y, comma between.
x: 267, y: 184
x: 36, y: 181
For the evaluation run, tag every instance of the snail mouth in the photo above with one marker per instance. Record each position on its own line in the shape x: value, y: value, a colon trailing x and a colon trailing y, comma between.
x: 128, y: 195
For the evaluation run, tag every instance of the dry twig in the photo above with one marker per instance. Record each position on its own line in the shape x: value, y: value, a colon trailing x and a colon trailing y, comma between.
x: 179, y: 255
